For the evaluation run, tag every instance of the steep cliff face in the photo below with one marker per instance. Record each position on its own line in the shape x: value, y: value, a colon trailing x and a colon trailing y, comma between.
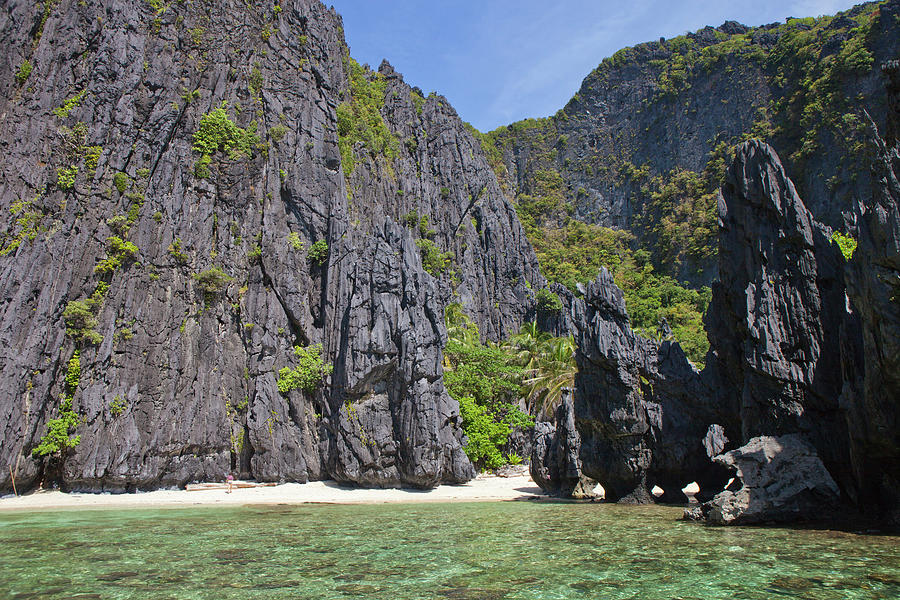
x: 808, y: 333
x: 641, y: 411
x: 183, y: 205
x: 803, y: 346
x: 644, y: 142
x: 871, y: 342
x: 775, y: 320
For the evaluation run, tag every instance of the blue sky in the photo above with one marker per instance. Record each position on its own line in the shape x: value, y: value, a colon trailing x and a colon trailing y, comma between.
x: 499, y: 61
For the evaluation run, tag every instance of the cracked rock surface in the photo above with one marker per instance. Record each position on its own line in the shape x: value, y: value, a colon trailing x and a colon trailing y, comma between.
x: 179, y: 381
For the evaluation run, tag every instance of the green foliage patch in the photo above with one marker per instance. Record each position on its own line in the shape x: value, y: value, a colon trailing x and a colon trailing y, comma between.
x: 24, y: 71
x: 212, y: 281
x: 118, y: 253
x: 294, y: 241
x: 846, y: 243
x: 27, y: 225
x: 121, y: 181
x: 91, y: 158
x: 307, y: 374
x: 318, y: 252
x: 59, y: 439
x: 434, y: 260
x: 489, y: 379
x: 81, y: 316
x: 575, y: 253
x: 679, y: 215
x: 65, y: 177
x: 118, y: 406
x: 360, y: 120
x: 548, y: 366
x: 548, y: 300
x: 176, y: 252
x: 75, y: 101
x: 277, y: 132
x: 217, y: 132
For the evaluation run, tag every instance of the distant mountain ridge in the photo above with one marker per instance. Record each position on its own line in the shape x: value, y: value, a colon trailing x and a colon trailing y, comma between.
x: 644, y: 143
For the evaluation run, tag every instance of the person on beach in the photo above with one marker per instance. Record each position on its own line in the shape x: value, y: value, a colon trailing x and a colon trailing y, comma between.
x: 230, y: 480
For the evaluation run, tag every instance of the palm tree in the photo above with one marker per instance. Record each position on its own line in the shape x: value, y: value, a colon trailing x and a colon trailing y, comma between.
x: 527, y: 346
x: 555, y: 373
x: 549, y: 365
x: 460, y: 328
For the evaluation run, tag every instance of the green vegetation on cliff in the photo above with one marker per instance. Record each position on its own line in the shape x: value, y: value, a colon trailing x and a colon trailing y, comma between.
x: 434, y: 260
x: 359, y: 120
x: 645, y: 143
x: 307, y: 374
x: 217, y: 132
x: 575, y: 252
x: 59, y: 437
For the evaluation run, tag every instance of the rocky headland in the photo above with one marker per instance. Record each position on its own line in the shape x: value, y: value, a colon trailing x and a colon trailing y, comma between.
x: 193, y: 190
x: 227, y: 247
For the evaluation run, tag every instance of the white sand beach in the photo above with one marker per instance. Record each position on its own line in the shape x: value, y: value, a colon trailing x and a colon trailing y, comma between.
x: 483, y: 488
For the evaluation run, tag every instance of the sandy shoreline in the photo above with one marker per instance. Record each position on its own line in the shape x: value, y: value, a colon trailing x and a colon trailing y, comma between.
x: 483, y: 488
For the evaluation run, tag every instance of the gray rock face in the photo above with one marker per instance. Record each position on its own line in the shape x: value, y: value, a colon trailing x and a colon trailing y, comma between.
x: 775, y: 320
x: 641, y: 408
x: 559, y: 323
x: 792, y: 355
x: 810, y: 342
x: 781, y: 479
x: 871, y: 339
x: 804, y: 345
x: 555, y: 460
x: 195, y: 368
x: 630, y: 109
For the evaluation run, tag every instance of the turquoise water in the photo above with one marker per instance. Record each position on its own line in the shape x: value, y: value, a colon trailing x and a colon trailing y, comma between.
x: 472, y: 550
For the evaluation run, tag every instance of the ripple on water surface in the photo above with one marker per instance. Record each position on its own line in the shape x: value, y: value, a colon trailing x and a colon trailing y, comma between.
x: 465, y: 551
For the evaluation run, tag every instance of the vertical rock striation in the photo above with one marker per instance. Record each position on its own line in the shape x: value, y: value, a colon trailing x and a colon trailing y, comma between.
x: 775, y: 319
x: 244, y: 246
x: 871, y: 340
x: 639, y: 409
x: 803, y: 350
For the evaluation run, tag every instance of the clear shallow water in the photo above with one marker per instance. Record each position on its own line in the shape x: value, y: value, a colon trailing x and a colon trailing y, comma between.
x: 510, y: 550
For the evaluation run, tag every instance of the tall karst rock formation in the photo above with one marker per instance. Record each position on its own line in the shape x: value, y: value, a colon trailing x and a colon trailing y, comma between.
x: 804, y: 328
x: 189, y: 190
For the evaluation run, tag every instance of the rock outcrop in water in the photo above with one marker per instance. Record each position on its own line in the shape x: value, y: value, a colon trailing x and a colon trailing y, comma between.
x: 556, y: 458
x: 775, y: 320
x: 185, y: 268
x: 777, y: 479
x: 811, y: 337
x: 641, y: 411
x: 803, y: 345
x: 635, y: 402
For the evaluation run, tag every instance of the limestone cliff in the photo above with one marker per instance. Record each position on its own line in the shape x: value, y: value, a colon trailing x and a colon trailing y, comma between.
x: 183, y: 203
x: 643, y: 144
x: 803, y: 343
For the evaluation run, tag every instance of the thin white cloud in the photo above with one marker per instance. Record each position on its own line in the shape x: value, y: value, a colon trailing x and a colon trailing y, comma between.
x: 816, y: 8
x: 554, y: 77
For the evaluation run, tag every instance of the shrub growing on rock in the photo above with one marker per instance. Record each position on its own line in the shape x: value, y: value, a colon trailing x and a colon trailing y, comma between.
x: 548, y: 301
x: 318, y: 252
x: 308, y: 374
x: 213, y: 280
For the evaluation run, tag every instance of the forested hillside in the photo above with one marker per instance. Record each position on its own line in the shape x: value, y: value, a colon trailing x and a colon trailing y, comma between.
x: 626, y: 174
